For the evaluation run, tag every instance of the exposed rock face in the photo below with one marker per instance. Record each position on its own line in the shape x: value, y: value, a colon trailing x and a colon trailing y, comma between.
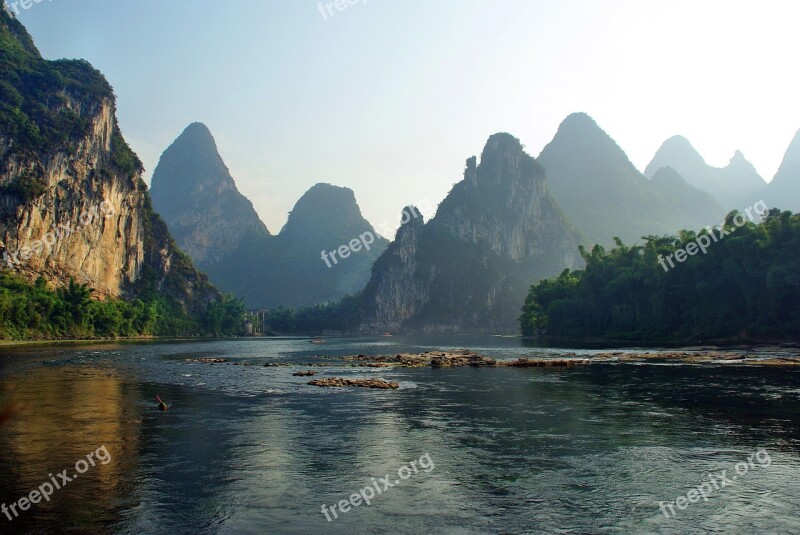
x: 398, y: 293
x: 469, y: 268
x: 194, y: 192
x: 72, y: 202
x: 784, y: 190
x: 605, y: 196
x: 735, y: 186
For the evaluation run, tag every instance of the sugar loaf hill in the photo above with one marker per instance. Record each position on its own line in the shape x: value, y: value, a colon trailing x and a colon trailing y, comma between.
x: 218, y: 227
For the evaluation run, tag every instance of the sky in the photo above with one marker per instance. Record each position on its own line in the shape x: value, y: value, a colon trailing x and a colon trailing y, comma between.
x: 390, y: 97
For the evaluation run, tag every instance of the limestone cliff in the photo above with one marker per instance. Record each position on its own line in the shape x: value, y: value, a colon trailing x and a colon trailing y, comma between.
x: 72, y: 202
x: 469, y: 268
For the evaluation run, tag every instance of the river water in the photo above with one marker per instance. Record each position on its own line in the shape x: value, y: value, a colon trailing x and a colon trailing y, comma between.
x: 253, y: 449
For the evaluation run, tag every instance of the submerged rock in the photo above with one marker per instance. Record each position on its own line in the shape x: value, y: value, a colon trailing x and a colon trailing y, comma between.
x: 547, y: 363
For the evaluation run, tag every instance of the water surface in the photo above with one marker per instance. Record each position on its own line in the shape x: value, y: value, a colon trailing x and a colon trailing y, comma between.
x: 252, y: 449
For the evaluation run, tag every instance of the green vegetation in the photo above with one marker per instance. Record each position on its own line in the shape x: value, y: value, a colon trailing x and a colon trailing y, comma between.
x: 340, y: 316
x: 25, y: 186
x: 38, y: 98
x: 37, y: 312
x: 745, y: 288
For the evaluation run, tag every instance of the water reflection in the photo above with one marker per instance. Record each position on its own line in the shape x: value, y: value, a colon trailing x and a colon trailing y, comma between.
x: 248, y: 449
x: 62, y: 415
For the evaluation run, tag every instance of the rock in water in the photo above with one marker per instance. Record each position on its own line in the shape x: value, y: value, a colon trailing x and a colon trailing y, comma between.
x: 363, y: 383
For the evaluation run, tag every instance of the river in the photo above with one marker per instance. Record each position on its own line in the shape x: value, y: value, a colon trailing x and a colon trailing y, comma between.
x: 252, y: 449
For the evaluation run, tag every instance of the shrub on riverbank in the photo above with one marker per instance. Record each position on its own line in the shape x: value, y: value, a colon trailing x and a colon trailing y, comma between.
x: 38, y: 312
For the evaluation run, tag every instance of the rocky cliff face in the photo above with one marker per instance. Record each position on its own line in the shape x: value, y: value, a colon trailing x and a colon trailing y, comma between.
x: 396, y: 294
x: 735, y: 186
x: 194, y: 192
x: 72, y: 202
x: 469, y: 268
x: 784, y: 190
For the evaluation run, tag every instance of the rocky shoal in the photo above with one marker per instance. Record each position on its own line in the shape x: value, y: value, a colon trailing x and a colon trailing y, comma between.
x: 363, y: 383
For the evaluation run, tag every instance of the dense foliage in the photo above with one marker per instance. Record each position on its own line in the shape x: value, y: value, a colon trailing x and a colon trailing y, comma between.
x: 37, y: 312
x: 342, y: 316
x: 33, y: 115
x: 747, y: 286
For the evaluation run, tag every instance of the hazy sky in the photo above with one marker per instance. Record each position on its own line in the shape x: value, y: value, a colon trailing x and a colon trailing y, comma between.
x: 390, y: 97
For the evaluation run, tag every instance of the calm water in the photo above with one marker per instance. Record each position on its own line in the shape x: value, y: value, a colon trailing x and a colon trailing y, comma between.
x: 252, y: 449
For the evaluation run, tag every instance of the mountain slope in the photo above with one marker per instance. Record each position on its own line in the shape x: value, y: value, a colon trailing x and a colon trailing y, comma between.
x: 735, y: 186
x: 194, y: 192
x: 670, y: 186
x: 469, y: 268
x: 288, y: 269
x: 218, y: 227
x: 603, y: 194
x: 784, y: 190
x: 72, y: 202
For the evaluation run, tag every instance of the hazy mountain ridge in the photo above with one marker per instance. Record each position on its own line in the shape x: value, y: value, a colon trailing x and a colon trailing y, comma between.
x: 604, y: 195
x: 288, y: 269
x: 784, y: 190
x: 218, y: 227
x: 735, y: 186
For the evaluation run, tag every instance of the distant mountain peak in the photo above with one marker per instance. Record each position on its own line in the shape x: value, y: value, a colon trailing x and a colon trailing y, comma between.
x: 741, y: 164
x: 784, y: 190
x: 195, y: 152
x: 579, y: 120
x: 675, y: 149
x: 731, y: 186
x: 791, y: 159
x: 195, y: 193
x: 580, y: 131
x: 323, y: 206
x: 604, y: 195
